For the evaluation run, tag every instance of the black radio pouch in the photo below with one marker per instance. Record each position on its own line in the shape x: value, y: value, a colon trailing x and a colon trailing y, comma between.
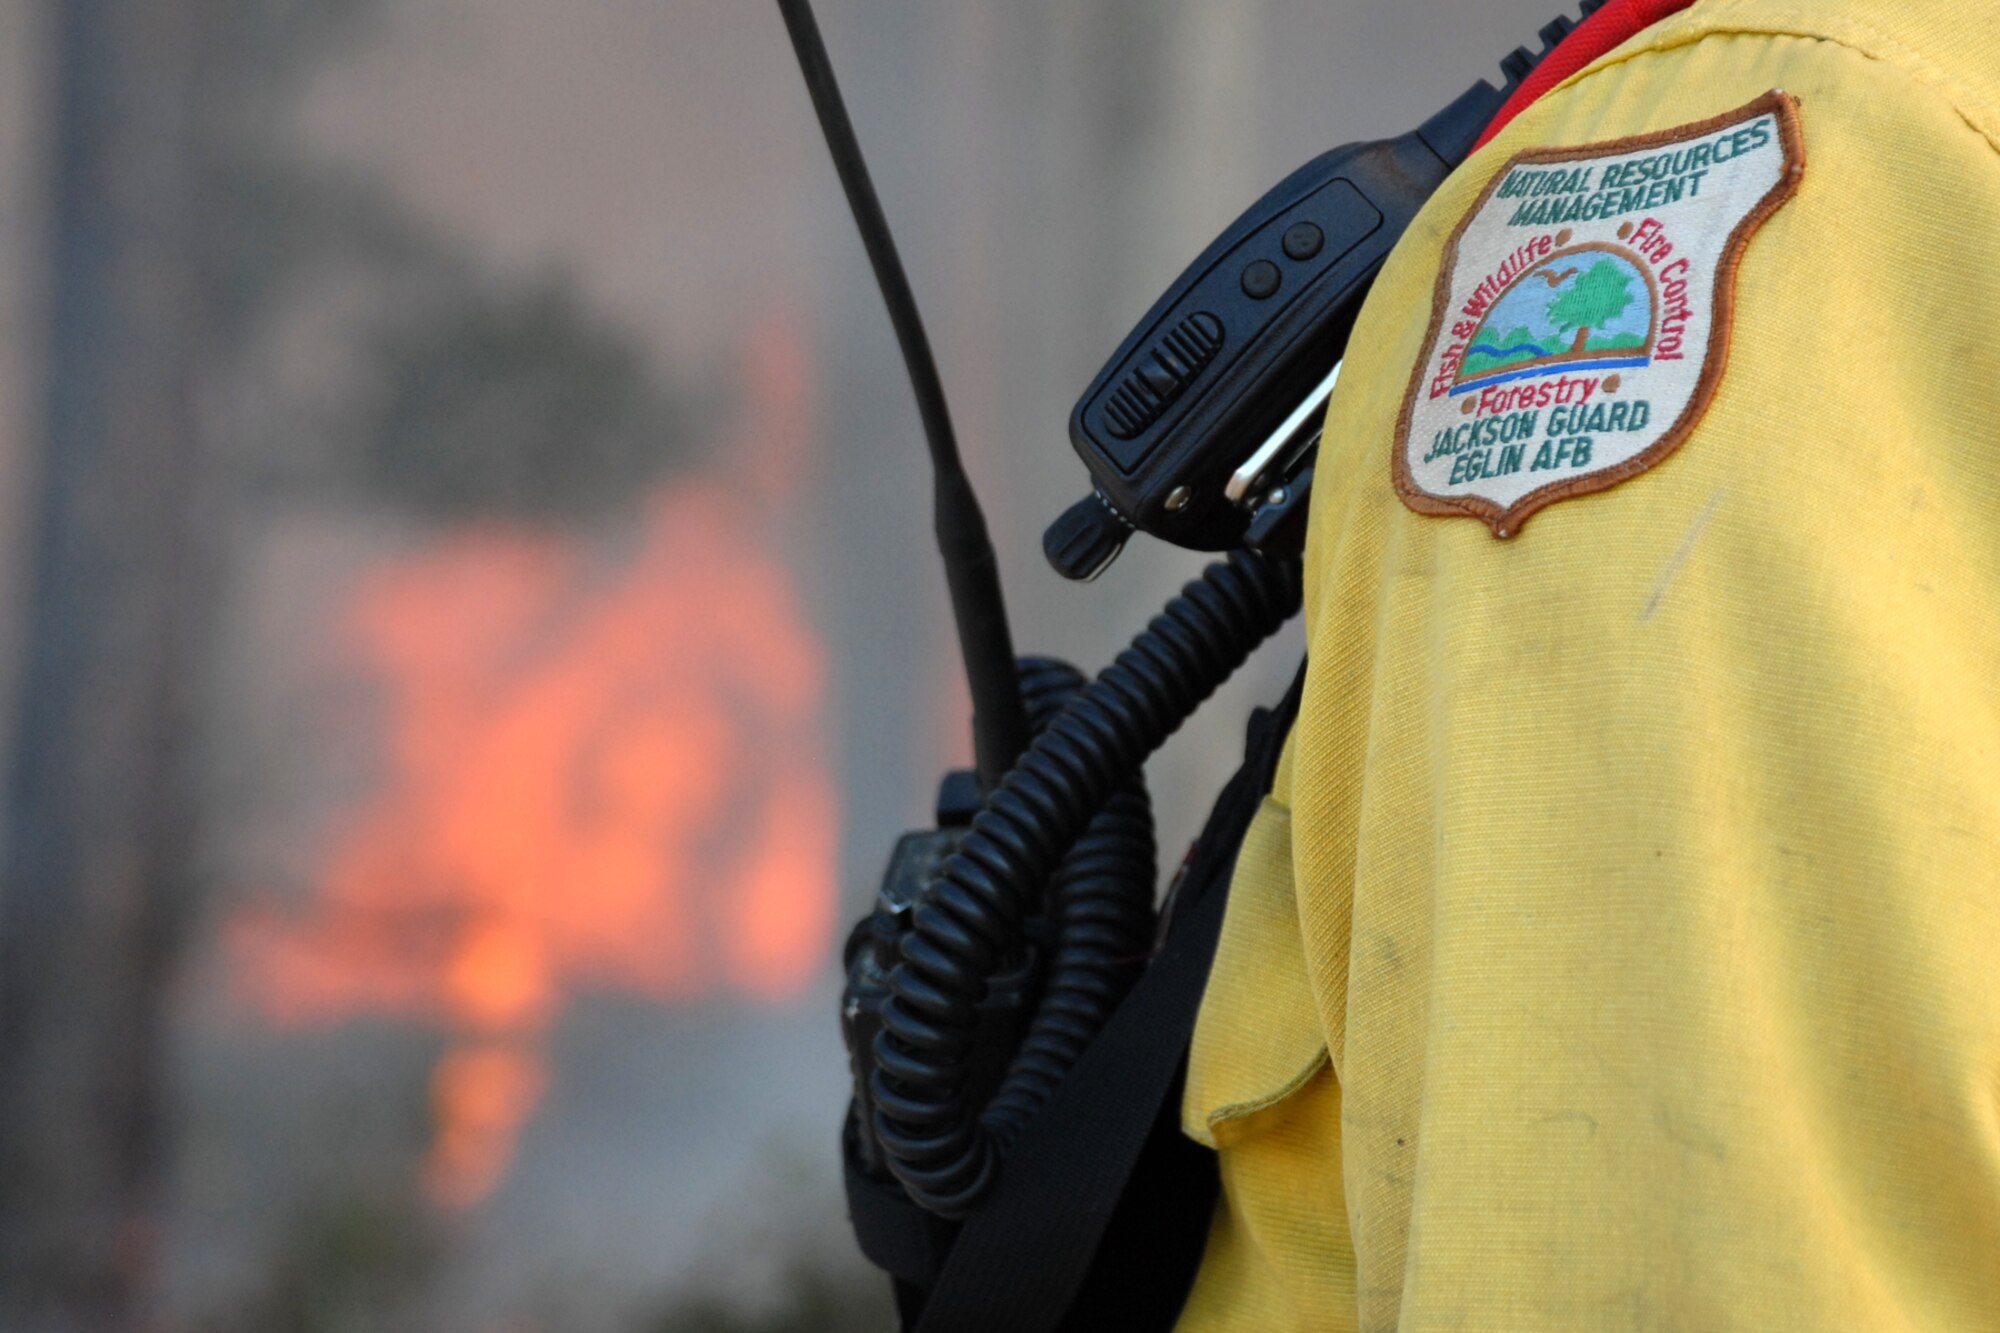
x: 1101, y: 1215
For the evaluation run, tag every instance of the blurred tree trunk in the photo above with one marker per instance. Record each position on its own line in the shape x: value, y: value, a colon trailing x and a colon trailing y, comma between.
x: 98, y: 806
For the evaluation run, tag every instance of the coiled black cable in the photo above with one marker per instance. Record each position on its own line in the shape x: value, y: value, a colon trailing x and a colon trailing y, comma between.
x: 944, y: 1153
x: 1101, y: 908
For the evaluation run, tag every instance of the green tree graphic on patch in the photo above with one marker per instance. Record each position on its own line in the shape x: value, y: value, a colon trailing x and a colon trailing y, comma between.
x: 1594, y: 300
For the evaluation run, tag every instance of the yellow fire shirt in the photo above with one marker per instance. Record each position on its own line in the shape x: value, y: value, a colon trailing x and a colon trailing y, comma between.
x: 1620, y: 948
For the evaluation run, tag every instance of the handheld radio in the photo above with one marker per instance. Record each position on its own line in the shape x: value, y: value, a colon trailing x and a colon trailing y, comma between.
x: 1200, y: 430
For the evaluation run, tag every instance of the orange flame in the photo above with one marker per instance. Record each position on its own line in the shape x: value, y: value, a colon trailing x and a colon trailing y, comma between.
x: 594, y: 778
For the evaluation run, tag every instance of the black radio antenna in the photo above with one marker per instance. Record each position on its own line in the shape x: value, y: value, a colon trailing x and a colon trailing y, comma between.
x: 999, y: 719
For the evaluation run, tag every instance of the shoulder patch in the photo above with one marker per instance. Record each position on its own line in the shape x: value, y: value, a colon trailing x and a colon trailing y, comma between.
x: 1582, y: 316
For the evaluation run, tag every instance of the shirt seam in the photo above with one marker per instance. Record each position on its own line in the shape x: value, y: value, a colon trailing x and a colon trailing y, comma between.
x: 1868, y: 42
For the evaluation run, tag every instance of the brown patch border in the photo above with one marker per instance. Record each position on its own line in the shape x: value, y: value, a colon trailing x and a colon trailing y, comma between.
x: 1506, y: 522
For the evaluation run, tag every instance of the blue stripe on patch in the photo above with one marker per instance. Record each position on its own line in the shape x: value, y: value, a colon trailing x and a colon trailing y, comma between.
x: 1488, y: 381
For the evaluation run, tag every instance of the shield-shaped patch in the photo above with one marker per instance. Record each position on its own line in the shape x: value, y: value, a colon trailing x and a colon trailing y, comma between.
x: 1582, y: 316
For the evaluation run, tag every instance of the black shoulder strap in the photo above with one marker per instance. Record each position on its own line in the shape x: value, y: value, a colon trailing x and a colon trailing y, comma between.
x: 1101, y: 1213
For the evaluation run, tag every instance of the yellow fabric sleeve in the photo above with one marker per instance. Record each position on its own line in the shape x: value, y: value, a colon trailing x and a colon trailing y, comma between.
x: 1642, y: 873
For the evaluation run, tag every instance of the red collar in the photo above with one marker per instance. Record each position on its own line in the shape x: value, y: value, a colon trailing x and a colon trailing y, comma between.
x: 1609, y: 27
